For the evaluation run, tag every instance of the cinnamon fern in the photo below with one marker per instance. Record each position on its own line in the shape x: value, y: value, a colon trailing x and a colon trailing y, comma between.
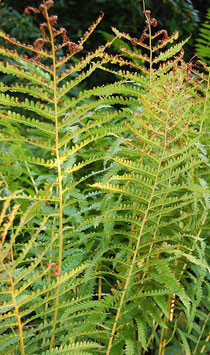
x: 44, y: 127
x: 161, y: 204
x: 104, y: 195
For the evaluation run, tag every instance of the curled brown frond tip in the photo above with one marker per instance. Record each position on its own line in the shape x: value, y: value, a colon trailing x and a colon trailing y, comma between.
x: 41, y: 8
x: 30, y: 9
x: 151, y: 21
x: 51, y: 21
x: 56, y: 268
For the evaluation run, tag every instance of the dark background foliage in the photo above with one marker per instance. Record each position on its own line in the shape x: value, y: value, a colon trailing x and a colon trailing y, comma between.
x: 183, y: 15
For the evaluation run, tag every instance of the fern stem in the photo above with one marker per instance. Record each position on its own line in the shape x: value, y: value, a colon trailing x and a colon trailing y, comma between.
x: 164, y: 331
x: 134, y: 257
x: 150, y: 48
x: 22, y: 348
x: 99, y: 288
x: 138, y: 241
x: 199, y: 338
x: 171, y: 306
x: 49, y: 276
x: 206, y: 341
x: 151, y: 337
x: 143, y: 5
x: 162, y: 338
x: 59, y: 173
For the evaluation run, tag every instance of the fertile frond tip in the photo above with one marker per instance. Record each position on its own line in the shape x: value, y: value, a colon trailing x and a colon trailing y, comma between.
x: 50, y: 22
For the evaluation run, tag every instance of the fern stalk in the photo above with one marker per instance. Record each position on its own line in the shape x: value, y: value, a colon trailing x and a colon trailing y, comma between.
x: 20, y: 327
x: 150, y: 50
x: 200, y: 336
x: 60, y: 187
x: 134, y: 256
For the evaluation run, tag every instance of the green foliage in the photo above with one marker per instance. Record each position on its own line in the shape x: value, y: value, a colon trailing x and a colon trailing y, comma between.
x: 104, y: 196
x: 203, y: 45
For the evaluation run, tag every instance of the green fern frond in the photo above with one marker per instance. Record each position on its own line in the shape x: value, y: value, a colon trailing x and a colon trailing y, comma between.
x: 21, y: 73
x: 202, y: 46
x: 30, y: 90
x: 74, y: 348
x: 27, y: 121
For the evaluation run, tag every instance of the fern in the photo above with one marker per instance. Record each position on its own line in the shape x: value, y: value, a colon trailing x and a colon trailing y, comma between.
x: 160, y: 176
x: 104, y: 196
x: 35, y: 116
x: 202, y: 46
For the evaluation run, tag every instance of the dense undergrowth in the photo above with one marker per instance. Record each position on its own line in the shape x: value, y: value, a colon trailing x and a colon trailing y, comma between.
x: 104, y: 196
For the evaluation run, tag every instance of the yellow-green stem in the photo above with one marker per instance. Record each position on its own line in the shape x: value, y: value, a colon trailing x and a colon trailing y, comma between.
x: 22, y: 348
x: 201, y: 333
x: 99, y: 287
x: 137, y: 246
x: 133, y: 260
x: 59, y: 172
x: 150, y: 46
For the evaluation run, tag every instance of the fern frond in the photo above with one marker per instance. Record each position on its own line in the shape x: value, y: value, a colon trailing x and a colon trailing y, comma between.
x: 74, y: 348
x: 21, y: 73
x: 202, y: 46
x: 28, y: 105
x: 12, y: 40
x: 155, y: 189
x: 169, y: 52
x: 34, y: 91
x: 150, y: 172
x: 28, y: 122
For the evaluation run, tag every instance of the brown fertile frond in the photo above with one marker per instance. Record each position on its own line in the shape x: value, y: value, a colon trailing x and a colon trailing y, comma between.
x: 150, y: 22
x: 41, y: 8
x: 149, y: 49
x: 39, y: 43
